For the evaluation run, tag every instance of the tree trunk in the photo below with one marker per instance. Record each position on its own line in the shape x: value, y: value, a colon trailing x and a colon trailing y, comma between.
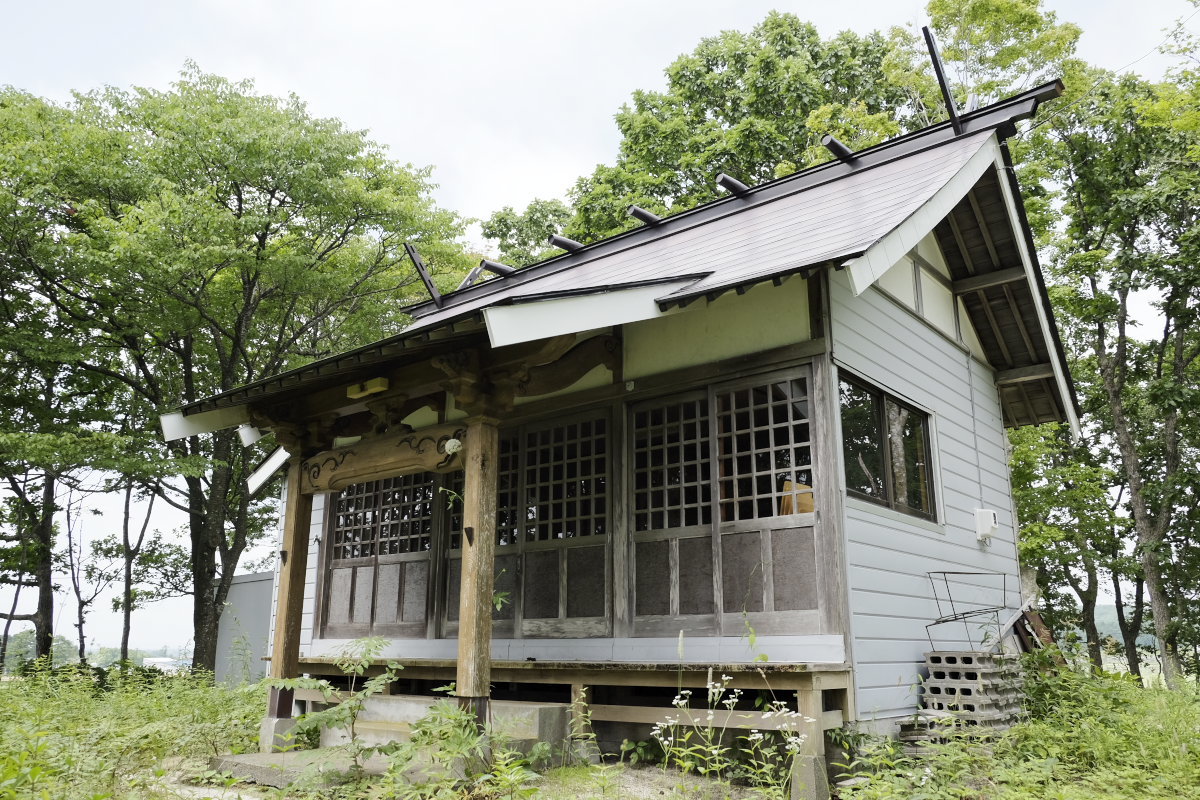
x: 8, y: 621
x: 207, y: 539
x: 43, y: 623
x: 1087, y: 593
x: 127, y: 577
x: 1160, y: 608
x: 1148, y: 527
x: 1091, y: 633
x: 79, y: 629
x: 1130, y: 628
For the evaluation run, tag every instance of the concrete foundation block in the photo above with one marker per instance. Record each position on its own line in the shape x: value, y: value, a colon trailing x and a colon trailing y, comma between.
x: 809, y: 780
x: 275, y: 734
x: 389, y: 718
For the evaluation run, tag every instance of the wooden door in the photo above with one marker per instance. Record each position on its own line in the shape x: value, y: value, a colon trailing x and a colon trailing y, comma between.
x: 722, y: 511
x: 552, y: 551
x: 380, y: 539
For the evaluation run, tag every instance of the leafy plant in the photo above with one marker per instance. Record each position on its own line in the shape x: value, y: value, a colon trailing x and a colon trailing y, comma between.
x: 693, y: 741
x: 643, y: 751
x: 344, y: 707
x: 1090, y: 734
x: 444, y: 750
x: 66, y: 734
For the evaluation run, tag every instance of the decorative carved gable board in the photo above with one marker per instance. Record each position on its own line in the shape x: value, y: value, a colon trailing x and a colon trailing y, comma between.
x: 416, y: 451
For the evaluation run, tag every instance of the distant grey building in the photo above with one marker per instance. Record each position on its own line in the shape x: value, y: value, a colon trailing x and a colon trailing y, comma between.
x: 244, y: 633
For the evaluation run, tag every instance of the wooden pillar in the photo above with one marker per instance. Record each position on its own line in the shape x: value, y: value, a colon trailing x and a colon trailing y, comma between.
x: 289, y: 604
x: 481, y: 451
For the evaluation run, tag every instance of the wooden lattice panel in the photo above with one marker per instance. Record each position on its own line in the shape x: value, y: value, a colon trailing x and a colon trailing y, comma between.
x: 765, y: 457
x: 384, y: 517
x: 508, y: 511
x: 671, y: 467
x: 565, y: 488
x: 355, y: 519
x: 406, y: 514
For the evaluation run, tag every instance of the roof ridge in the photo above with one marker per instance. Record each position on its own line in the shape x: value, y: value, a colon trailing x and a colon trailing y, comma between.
x: 988, y: 118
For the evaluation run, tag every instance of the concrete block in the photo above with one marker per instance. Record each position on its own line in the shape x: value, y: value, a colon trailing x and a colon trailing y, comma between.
x: 389, y: 718
x: 275, y: 734
x: 809, y: 780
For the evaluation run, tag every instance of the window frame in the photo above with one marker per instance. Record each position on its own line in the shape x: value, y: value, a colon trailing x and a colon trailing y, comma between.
x: 890, y: 500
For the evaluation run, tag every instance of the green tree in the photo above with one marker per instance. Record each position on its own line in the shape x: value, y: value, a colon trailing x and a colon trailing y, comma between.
x: 996, y: 47
x: 522, y: 237
x: 747, y: 104
x: 22, y: 648
x: 1124, y: 160
x: 201, y: 238
x: 1071, y: 534
x: 755, y: 105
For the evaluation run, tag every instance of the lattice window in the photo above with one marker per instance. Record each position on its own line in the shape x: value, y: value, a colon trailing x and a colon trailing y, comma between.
x: 671, y: 468
x: 565, y: 481
x: 406, y: 514
x: 356, y: 512
x: 384, y: 517
x: 765, y: 458
x: 508, y: 493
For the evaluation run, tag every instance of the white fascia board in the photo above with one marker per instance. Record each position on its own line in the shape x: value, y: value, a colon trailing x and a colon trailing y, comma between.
x: 266, y: 470
x: 1043, y: 313
x: 176, y: 425
x: 885, y: 253
x: 555, y: 316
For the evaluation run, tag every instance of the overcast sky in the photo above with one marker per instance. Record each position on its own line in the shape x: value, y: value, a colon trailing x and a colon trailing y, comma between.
x: 508, y: 101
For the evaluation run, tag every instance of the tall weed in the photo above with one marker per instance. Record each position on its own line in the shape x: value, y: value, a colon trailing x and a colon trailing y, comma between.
x: 1088, y: 736
x: 76, y: 734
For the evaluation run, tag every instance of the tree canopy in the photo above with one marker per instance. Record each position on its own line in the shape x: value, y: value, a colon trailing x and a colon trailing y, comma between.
x: 187, y: 241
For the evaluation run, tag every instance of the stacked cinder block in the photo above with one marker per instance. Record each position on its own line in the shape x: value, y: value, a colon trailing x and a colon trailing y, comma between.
x: 977, y: 687
x: 972, y: 687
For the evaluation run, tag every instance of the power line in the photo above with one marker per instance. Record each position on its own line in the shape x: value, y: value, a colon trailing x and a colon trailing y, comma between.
x: 1178, y: 27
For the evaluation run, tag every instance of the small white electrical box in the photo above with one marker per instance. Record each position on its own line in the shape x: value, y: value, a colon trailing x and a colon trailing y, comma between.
x: 986, y: 525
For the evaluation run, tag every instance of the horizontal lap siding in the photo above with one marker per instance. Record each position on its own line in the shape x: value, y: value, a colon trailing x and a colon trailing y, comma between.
x: 315, y: 531
x: 315, y: 537
x: 888, y: 556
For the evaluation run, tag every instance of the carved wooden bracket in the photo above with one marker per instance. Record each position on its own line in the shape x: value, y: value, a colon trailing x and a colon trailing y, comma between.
x: 465, y: 379
x: 298, y: 438
x: 489, y: 389
x: 389, y: 412
x: 386, y: 456
x: 577, y: 362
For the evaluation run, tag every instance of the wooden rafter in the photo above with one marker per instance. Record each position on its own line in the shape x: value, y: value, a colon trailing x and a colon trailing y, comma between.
x: 988, y: 280
x: 983, y: 229
x: 1033, y: 372
x: 1024, y: 331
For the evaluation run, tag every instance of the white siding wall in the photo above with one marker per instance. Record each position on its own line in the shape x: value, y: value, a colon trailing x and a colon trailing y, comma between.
x: 310, y: 573
x: 889, y: 555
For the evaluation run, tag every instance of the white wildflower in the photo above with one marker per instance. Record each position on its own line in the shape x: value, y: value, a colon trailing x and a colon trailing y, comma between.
x: 452, y: 446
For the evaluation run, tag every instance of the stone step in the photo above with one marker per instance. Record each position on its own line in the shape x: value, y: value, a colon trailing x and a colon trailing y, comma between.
x: 389, y: 718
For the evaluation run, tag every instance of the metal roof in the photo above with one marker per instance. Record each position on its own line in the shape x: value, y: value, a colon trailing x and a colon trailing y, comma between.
x: 821, y: 216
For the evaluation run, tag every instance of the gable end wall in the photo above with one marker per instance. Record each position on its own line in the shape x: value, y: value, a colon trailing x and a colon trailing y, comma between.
x: 888, y: 554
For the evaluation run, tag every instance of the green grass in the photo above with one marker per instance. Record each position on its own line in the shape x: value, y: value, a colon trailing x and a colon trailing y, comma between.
x: 66, y: 734
x: 1089, y: 737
